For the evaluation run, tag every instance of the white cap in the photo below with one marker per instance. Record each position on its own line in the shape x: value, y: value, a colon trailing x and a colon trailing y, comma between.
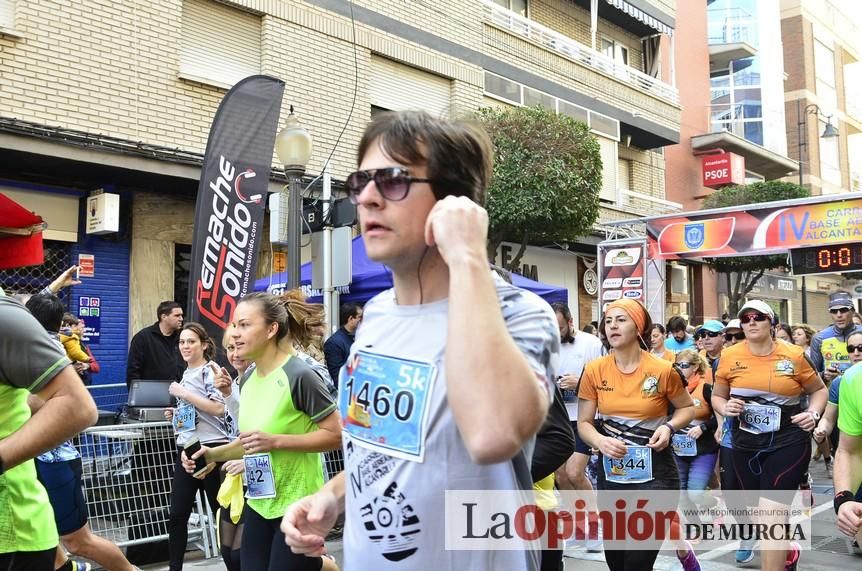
x: 733, y: 324
x: 759, y: 307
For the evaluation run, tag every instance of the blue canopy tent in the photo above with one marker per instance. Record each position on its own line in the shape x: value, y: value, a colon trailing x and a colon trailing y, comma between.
x: 370, y: 278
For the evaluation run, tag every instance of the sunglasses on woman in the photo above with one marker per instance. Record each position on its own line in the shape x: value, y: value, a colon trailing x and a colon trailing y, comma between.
x: 731, y: 336
x: 749, y: 317
x: 854, y: 348
x: 393, y: 183
x: 683, y: 365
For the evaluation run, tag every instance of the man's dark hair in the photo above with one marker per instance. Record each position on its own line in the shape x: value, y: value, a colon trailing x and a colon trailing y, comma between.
x: 458, y: 155
x: 348, y: 310
x: 48, y: 311
x: 166, y: 308
x: 677, y: 323
x: 588, y: 328
x: 563, y: 309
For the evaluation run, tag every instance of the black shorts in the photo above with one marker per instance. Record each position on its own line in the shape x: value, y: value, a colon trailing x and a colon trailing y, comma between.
x: 581, y: 447
x: 62, y: 481
x: 777, y: 473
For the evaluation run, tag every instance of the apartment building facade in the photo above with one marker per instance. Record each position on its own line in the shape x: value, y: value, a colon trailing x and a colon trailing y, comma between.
x: 119, y: 96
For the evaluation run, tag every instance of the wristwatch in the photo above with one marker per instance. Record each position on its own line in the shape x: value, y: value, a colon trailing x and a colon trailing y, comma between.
x: 842, y: 497
x: 814, y: 414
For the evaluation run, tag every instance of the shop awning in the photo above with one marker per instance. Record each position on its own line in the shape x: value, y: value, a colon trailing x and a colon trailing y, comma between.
x: 20, y: 235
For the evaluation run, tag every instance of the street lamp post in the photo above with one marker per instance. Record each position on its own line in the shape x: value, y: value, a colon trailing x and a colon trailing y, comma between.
x: 293, y: 147
x: 802, y: 138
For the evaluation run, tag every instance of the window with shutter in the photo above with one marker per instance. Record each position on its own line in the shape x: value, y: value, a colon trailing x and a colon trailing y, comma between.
x: 7, y: 14
x: 399, y: 87
x: 210, y: 55
x: 608, y: 151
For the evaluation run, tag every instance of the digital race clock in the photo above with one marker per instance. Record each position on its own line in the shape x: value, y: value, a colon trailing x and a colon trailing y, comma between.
x: 833, y: 259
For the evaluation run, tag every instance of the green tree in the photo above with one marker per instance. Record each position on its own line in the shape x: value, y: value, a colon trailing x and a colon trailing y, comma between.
x: 742, y: 272
x: 547, y: 175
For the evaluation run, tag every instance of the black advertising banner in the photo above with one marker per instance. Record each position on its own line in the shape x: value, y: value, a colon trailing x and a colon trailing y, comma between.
x: 231, y: 200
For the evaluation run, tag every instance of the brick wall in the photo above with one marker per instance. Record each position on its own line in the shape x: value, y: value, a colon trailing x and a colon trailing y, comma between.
x: 98, y: 66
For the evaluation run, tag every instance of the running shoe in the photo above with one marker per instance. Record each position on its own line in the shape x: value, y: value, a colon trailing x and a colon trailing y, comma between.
x: 81, y: 565
x: 745, y: 553
x: 689, y: 560
x: 828, y: 462
x: 792, y: 557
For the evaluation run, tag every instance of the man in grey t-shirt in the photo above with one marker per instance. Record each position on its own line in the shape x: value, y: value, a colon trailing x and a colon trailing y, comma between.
x: 451, y: 373
x: 30, y: 360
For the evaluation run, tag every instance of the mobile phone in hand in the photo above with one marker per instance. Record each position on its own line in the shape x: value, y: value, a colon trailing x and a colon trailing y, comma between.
x: 77, y: 273
x: 191, y: 448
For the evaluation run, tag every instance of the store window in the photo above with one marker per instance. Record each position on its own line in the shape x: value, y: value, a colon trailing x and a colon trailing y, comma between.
x: 182, y: 270
x: 32, y: 279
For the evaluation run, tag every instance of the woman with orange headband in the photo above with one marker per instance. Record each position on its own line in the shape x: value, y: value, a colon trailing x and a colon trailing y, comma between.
x: 630, y: 394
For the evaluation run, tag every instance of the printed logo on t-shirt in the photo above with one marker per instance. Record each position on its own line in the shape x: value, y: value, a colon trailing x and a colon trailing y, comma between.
x: 391, y: 524
x: 738, y: 366
x: 605, y: 387
x: 785, y: 367
x: 650, y: 386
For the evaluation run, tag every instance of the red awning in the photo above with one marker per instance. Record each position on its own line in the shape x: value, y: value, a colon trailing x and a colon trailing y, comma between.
x: 20, y: 235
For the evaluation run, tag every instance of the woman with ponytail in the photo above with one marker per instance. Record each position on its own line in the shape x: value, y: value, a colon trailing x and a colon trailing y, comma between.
x: 624, y: 410
x: 199, y: 415
x: 287, y: 417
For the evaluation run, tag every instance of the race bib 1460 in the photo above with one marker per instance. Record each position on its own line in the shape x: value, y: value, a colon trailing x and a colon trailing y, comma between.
x: 384, y: 403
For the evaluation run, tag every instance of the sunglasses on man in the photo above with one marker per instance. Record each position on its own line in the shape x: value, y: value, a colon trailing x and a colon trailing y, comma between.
x: 710, y: 334
x: 854, y: 348
x: 837, y: 310
x: 393, y: 183
x: 731, y: 336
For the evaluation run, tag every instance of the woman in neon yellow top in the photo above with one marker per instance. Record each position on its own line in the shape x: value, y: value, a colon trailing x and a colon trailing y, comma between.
x: 286, y: 418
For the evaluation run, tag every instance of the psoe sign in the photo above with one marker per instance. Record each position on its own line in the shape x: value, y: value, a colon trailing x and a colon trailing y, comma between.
x: 721, y: 170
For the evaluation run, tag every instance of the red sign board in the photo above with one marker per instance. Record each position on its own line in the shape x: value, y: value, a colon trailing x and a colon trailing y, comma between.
x: 722, y: 170
x: 87, y: 263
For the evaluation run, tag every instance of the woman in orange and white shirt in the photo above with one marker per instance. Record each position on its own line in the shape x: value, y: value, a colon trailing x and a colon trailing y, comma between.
x: 630, y: 394
x: 759, y: 384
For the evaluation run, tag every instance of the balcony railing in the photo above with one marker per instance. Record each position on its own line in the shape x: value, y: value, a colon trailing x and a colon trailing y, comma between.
x: 731, y: 25
x: 727, y: 117
x: 573, y: 50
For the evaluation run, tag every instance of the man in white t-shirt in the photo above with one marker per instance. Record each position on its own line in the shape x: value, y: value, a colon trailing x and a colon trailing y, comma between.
x: 576, y: 350
x: 429, y: 405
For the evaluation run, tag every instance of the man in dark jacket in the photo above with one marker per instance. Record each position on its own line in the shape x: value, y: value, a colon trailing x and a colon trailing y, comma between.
x: 154, y: 353
x: 337, y: 347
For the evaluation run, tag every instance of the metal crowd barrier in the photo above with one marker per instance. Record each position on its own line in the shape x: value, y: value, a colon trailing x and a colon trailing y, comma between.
x: 127, y: 471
